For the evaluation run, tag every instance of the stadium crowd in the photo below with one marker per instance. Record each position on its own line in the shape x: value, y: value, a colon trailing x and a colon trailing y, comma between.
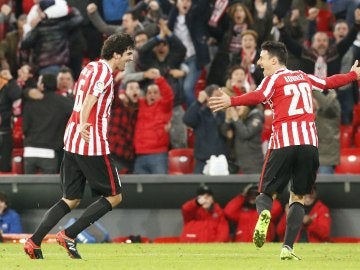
x: 185, y: 51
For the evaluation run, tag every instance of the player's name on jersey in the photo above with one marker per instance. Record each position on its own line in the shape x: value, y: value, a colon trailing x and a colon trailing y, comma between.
x: 295, y: 78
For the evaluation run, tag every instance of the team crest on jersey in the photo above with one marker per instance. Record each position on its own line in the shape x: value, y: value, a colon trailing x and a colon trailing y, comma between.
x: 99, y: 87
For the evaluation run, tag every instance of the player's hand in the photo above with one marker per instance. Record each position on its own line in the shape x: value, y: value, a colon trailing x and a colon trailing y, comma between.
x: 356, y: 69
x: 84, y: 132
x: 222, y: 101
x: 91, y: 8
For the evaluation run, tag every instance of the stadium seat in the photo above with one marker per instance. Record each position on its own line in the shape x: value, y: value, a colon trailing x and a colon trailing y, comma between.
x: 345, y: 240
x: 166, y: 240
x: 349, y: 161
x: 17, y: 165
x: 190, y: 137
x: 357, y: 137
x: 181, y: 161
x: 200, y: 83
x: 356, y: 115
x: 18, y: 135
x: 346, y: 133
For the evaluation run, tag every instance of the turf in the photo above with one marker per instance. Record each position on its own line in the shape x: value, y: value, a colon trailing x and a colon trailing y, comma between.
x: 183, y: 256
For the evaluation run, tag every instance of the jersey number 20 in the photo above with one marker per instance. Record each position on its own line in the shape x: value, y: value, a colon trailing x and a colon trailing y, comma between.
x: 297, y: 91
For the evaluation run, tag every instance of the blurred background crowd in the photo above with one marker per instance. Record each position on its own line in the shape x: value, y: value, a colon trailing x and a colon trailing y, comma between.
x: 186, y: 50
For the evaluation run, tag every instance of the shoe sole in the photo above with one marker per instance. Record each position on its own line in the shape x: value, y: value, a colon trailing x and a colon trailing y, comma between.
x: 63, y: 244
x: 261, y: 228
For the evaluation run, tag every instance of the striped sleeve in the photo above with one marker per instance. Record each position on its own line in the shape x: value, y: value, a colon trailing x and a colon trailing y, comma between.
x: 334, y: 81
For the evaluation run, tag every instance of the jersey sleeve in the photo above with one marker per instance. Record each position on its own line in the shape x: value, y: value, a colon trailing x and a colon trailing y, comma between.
x: 332, y: 82
x: 262, y: 93
x: 100, y: 79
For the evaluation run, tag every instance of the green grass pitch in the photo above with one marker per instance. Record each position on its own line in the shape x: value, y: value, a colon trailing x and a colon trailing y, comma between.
x: 183, y: 256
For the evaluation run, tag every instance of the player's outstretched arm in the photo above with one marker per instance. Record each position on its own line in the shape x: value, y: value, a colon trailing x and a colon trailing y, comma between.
x: 219, y: 102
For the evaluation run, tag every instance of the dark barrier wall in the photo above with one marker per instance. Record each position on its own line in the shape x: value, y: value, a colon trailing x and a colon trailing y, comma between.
x: 169, y: 192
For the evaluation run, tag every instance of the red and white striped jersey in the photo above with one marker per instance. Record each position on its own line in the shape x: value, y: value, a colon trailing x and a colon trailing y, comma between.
x: 289, y: 95
x: 95, y: 79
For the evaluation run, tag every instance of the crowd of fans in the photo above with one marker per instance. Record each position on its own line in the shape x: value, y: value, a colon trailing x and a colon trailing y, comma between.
x: 185, y: 51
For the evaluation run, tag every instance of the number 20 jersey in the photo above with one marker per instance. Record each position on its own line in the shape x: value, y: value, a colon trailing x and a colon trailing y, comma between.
x: 289, y: 94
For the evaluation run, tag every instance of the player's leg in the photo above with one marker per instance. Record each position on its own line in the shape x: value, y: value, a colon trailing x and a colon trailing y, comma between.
x: 304, y: 177
x: 72, y: 190
x: 275, y: 175
x: 104, y: 180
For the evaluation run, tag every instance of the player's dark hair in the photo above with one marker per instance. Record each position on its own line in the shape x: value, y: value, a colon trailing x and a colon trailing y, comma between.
x: 276, y: 49
x: 49, y: 81
x: 116, y: 43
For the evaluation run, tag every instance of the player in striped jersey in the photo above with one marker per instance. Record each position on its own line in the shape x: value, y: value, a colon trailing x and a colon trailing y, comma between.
x: 292, y: 153
x: 86, y: 156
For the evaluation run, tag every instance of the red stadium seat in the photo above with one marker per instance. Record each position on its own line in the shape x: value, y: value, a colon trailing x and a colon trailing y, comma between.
x: 181, y: 161
x: 17, y: 165
x: 357, y: 137
x: 346, y: 133
x: 349, y: 161
x: 356, y: 115
x: 200, y: 83
x: 166, y: 240
x: 345, y: 240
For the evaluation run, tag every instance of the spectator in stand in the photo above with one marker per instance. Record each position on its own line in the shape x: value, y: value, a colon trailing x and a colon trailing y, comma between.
x: 151, y: 138
x: 11, y: 56
x: 316, y: 226
x: 49, y: 40
x: 44, y: 122
x: 130, y: 22
x: 50, y: 9
x: 122, y: 124
x: 25, y: 77
x: 204, y: 219
x: 207, y: 128
x: 166, y: 53
x: 230, y: 50
x: 10, y: 93
x: 65, y: 82
x: 327, y: 122
x: 243, y: 125
x: 347, y: 95
x: 242, y: 211
x: 90, y: 33
x: 9, y: 219
x: 187, y: 20
x: 344, y: 9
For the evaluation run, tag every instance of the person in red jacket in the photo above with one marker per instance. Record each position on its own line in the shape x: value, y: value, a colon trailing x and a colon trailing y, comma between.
x: 242, y: 211
x: 151, y: 137
x: 204, y: 219
x: 316, y: 225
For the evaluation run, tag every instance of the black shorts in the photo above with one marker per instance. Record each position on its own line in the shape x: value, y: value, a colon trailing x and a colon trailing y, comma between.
x: 296, y: 163
x: 99, y: 171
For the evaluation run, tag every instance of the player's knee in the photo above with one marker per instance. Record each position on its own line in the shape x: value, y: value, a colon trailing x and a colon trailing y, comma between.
x: 72, y: 203
x: 114, y: 200
x: 296, y: 198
